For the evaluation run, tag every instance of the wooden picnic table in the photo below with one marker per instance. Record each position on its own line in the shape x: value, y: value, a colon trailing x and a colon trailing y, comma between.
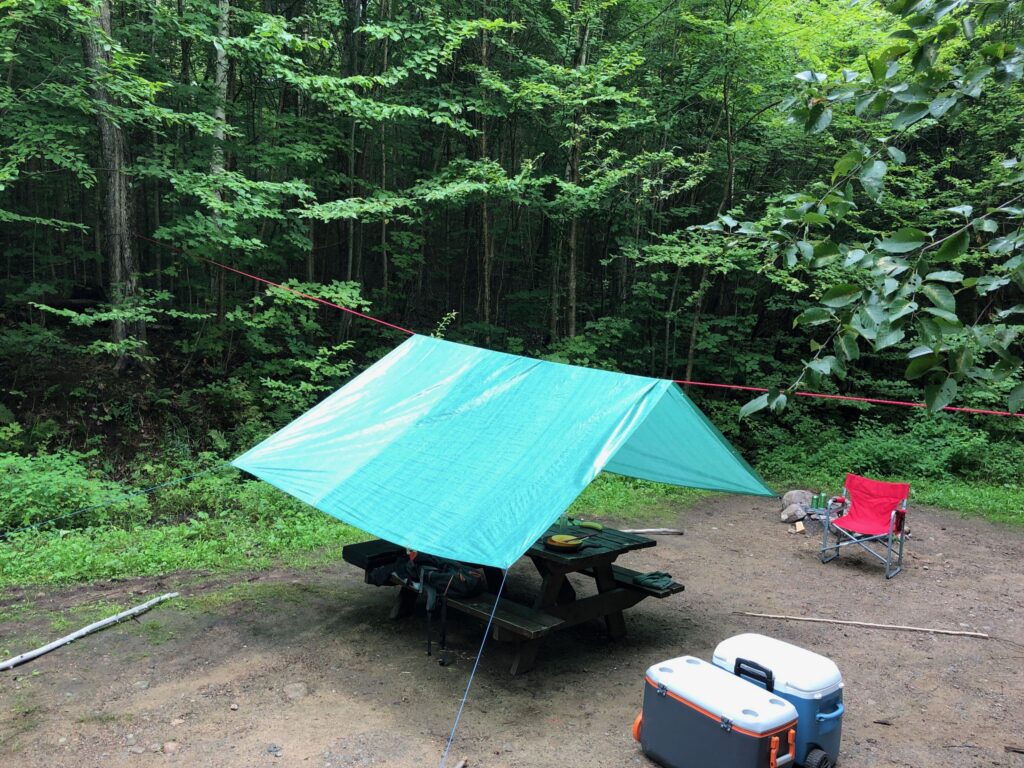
x: 556, y: 605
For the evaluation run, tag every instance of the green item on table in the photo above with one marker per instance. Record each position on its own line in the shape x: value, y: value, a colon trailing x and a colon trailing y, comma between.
x: 654, y: 580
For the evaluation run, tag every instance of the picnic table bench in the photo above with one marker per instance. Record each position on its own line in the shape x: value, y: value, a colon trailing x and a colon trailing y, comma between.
x: 556, y: 605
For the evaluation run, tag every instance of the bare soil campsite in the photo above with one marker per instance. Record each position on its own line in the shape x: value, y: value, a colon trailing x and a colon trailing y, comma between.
x: 304, y: 668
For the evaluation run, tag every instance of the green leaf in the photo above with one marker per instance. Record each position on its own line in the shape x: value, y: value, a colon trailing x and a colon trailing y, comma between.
x: 897, y: 155
x: 951, y: 248
x: 813, y: 316
x: 963, y: 210
x: 846, y: 163
x: 1016, y: 399
x: 919, y: 366
x: 846, y: 346
x: 888, y: 337
x: 755, y: 405
x: 904, y: 240
x: 871, y: 178
x: 942, y: 104
x: 778, y: 403
x: 811, y: 77
x: 841, y: 295
x: 819, y: 119
x: 938, y: 396
x: 945, y: 276
x: 940, y: 296
x: 909, y: 116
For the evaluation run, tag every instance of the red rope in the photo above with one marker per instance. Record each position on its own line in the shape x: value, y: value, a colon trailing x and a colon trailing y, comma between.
x: 851, y: 398
x: 283, y: 287
x: 821, y: 395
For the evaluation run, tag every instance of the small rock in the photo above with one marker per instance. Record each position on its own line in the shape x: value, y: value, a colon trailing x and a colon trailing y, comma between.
x: 296, y: 691
x: 171, y: 747
x: 154, y: 747
x: 177, y: 721
x: 803, y: 498
x: 142, y: 685
x: 793, y: 512
x: 130, y: 739
x: 137, y: 750
x: 62, y: 740
x: 233, y: 706
x: 274, y: 750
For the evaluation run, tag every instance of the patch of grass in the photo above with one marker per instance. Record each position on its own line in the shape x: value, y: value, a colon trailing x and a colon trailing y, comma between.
x: 277, y: 594
x: 207, y: 543
x: 18, y: 611
x: 626, y: 498
x: 155, y: 632
x: 79, y: 616
x: 99, y: 718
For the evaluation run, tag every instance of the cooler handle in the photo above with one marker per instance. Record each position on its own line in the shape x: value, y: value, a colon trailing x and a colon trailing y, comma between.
x: 831, y: 715
x: 756, y: 672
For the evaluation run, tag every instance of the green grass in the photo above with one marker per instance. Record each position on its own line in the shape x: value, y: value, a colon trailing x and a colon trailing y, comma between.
x: 214, y: 544
x: 626, y: 498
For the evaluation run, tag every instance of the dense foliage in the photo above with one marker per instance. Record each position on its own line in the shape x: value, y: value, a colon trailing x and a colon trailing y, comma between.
x: 765, y: 192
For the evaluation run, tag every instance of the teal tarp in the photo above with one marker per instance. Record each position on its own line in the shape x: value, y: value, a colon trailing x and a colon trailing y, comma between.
x: 471, y: 454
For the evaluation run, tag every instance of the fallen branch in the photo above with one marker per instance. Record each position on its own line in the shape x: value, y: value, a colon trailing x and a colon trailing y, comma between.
x: 94, y: 627
x: 654, y: 531
x: 1013, y: 748
x: 899, y: 627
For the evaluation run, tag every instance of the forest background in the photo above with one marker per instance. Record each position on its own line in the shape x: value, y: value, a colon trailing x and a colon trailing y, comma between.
x: 778, y: 193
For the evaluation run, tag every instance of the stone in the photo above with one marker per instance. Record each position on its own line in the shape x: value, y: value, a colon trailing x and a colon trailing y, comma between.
x: 171, y: 747
x: 137, y: 750
x: 154, y: 747
x: 792, y: 513
x: 130, y: 739
x: 296, y: 691
x: 142, y: 685
x: 234, y: 707
x: 177, y: 721
x: 803, y: 498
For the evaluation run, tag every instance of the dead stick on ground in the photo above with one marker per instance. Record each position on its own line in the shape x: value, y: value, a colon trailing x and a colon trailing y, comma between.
x: 899, y: 627
x: 16, y: 660
x: 655, y: 531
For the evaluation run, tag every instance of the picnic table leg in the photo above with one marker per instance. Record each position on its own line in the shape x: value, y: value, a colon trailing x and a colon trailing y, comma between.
x: 615, y: 621
x: 405, y: 602
x: 526, y: 656
x: 555, y: 588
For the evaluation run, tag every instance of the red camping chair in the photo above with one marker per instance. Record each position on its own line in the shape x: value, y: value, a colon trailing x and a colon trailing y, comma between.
x: 875, y: 512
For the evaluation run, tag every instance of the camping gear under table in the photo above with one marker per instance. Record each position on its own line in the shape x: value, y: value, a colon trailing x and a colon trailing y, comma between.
x: 556, y: 604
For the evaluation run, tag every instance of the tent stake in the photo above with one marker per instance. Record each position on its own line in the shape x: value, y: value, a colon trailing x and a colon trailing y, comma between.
x: 899, y: 627
x: 16, y: 660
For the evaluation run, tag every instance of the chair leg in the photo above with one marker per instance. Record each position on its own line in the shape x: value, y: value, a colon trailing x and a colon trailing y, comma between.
x: 824, y: 541
x: 889, y: 572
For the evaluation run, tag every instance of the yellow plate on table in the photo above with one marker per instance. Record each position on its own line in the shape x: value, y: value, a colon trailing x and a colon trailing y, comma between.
x: 563, y: 542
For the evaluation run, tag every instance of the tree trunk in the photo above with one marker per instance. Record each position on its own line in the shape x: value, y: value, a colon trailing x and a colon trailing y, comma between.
x: 220, y: 84
x: 117, y: 219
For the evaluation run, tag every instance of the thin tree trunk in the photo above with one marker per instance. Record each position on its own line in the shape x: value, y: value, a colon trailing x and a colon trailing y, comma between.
x: 220, y: 84
x: 121, y: 257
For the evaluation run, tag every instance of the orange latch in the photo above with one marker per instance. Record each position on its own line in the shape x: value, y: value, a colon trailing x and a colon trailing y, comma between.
x: 774, y: 750
x: 792, y: 743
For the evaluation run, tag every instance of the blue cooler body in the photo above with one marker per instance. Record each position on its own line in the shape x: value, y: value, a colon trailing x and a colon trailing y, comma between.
x: 809, y: 681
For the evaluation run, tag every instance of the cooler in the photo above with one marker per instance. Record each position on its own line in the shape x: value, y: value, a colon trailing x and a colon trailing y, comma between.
x: 809, y: 681
x: 696, y: 715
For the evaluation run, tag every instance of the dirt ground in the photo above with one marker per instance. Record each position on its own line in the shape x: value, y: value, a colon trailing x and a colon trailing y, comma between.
x: 304, y: 668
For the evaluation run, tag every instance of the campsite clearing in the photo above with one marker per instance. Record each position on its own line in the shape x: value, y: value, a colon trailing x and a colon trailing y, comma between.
x: 309, y: 663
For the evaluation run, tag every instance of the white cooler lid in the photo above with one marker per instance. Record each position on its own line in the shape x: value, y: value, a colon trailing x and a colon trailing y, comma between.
x: 797, y: 671
x: 723, y: 694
